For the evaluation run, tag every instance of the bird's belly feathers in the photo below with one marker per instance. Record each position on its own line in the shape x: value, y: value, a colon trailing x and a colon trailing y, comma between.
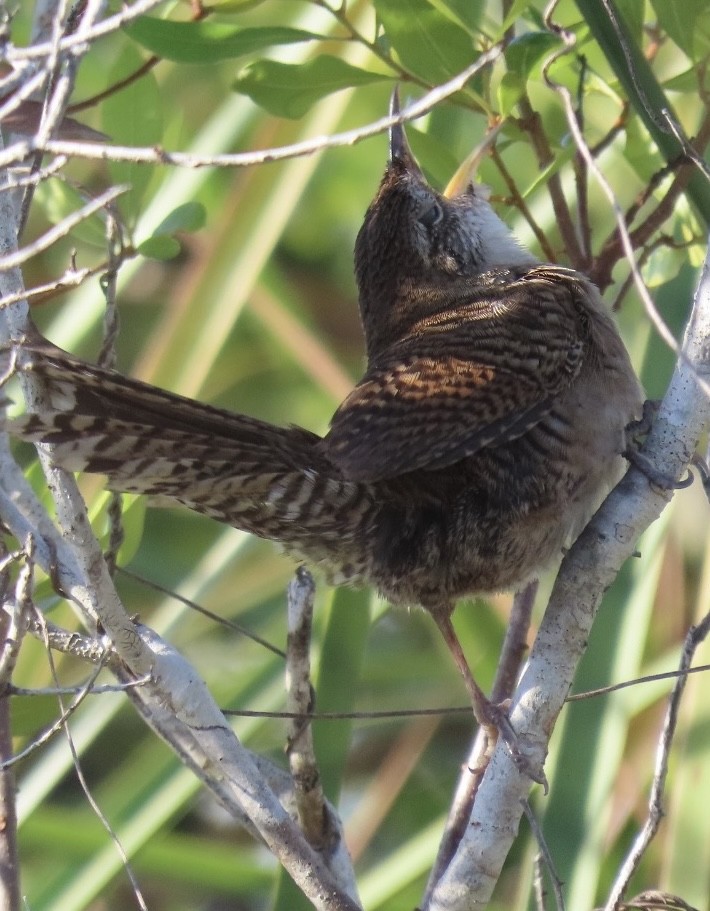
x: 509, y: 513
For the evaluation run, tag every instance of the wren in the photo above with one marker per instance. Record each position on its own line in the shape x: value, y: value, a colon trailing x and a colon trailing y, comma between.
x: 487, y: 427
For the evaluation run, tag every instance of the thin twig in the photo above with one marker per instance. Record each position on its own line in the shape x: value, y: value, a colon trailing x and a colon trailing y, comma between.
x: 158, y: 156
x: 521, y: 205
x: 83, y: 37
x: 627, y: 244
x: 544, y: 851
x: 98, y: 812
x: 61, y: 229
x: 696, y: 635
x: 193, y: 605
x: 302, y: 760
x: 531, y: 123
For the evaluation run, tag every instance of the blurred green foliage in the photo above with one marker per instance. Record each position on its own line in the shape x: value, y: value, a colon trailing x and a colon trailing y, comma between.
x: 256, y: 309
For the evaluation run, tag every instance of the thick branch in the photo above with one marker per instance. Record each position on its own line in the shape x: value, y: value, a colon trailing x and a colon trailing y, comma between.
x: 586, y: 572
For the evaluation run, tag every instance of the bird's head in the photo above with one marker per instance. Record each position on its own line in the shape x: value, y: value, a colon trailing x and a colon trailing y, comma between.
x: 416, y: 241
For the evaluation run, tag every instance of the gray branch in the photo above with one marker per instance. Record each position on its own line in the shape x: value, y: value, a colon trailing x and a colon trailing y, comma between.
x: 587, y: 570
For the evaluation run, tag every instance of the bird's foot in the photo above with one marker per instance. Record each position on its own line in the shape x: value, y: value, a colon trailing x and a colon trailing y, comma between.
x: 493, y: 718
x: 659, y: 478
x: 636, y: 431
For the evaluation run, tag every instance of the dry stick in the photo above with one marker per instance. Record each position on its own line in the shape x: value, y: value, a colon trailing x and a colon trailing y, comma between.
x: 61, y: 229
x: 177, y: 705
x: 34, y: 178
x: 696, y: 635
x: 586, y: 572
x: 299, y: 692
x: 538, y: 884
x: 319, y: 823
x: 72, y: 278
x: 78, y: 41
x: 98, y: 812
x: 61, y: 75
x: 107, y: 359
x: 12, y: 627
x: 614, y: 248
x: 511, y: 658
x: 544, y: 852
x: 531, y: 123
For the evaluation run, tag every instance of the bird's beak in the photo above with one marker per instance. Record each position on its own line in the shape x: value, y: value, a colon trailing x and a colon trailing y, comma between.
x: 399, y: 147
x: 467, y: 171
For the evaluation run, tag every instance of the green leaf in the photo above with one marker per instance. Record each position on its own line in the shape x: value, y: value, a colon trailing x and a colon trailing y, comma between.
x: 633, y: 13
x: 232, y: 6
x: 467, y: 13
x: 436, y: 158
x: 687, y: 23
x: 683, y: 82
x: 132, y: 117
x: 160, y: 246
x: 207, y: 41
x: 31, y: 713
x: 523, y: 53
x: 514, y: 13
x: 190, y: 216
x: 663, y: 265
x: 510, y: 90
x: 426, y: 41
x: 59, y: 199
x: 289, y: 90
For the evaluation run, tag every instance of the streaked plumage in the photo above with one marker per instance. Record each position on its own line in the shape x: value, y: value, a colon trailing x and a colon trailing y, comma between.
x: 488, y: 425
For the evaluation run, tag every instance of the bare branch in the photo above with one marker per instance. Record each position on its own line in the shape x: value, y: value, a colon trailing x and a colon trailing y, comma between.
x: 60, y: 230
x: 83, y: 36
x: 180, y: 708
x: 157, y: 156
x: 586, y: 572
x: 696, y: 635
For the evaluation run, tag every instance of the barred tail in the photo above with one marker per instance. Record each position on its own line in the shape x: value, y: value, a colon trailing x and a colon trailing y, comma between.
x: 271, y: 481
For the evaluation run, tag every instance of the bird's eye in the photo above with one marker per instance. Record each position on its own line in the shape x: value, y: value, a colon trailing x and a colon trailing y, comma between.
x: 432, y: 215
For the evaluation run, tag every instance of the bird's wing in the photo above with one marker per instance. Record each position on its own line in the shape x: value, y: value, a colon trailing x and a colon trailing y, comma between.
x: 480, y: 375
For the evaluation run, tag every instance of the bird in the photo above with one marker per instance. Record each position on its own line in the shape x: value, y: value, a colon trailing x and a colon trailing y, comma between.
x: 488, y: 425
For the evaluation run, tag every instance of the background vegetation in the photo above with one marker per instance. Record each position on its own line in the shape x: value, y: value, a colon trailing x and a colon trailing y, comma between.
x: 246, y: 299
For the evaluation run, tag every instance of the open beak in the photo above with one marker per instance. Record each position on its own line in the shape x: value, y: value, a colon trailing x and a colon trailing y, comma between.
x: 467, y: 171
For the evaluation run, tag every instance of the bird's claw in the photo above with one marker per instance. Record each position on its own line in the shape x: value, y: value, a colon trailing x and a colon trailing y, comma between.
x: 656, y: 477
x: 498, y: 724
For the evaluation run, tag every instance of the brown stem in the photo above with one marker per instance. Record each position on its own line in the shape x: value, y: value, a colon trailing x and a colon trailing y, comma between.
x: 612, y: 249
x: 116, y: 87
x: 198, y: 13
x: 520, y: 204
x: 616, y: 128
x: 9, y: 867
x: 531, y: 123
x: 581, y: 178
